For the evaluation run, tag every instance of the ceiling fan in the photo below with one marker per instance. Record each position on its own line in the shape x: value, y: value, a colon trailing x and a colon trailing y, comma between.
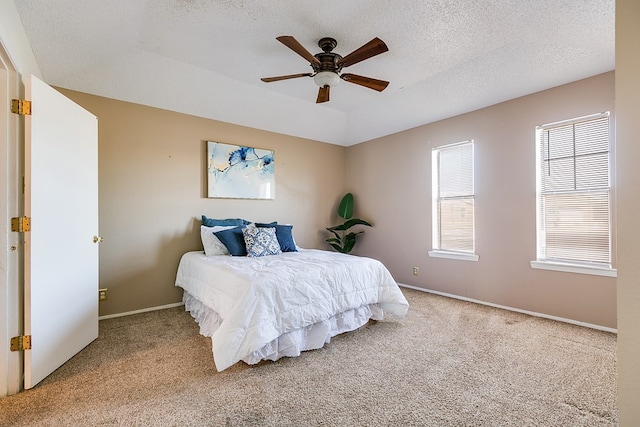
x: 327, y: 65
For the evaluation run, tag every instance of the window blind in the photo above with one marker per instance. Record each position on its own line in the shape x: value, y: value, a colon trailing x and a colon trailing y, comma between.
x: 453, y: 197
x: 574, y: 191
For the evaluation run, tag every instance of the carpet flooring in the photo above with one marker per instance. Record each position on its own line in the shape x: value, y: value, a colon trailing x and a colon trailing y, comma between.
x: 448, y: 363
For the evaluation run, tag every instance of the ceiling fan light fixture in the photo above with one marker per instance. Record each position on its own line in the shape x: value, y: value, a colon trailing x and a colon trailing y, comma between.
x: 326, y: 78
x: 328, y: 65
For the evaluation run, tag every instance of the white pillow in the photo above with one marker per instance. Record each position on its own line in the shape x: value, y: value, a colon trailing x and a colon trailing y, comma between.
x: 212, y: 245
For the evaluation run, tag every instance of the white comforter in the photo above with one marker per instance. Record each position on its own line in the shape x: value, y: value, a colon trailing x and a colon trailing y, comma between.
x: 260, y: 299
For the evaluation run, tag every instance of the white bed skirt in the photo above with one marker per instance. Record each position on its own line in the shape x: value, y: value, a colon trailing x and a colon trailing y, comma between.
x: 290, y: 344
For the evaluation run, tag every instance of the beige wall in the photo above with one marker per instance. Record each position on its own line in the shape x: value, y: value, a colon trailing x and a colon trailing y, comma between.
x: 391, y: 180
x: 152, y: 191
x: 628, y: 177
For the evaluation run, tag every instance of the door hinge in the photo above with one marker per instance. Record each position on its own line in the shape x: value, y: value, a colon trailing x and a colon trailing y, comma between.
x: 21, y: 106
x: 21, y: 224
x: 23, y: 342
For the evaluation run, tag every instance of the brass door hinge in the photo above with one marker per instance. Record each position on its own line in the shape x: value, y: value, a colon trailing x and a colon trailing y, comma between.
x: 21, y: 224
x: 23, y: 342
x: 21, y: 106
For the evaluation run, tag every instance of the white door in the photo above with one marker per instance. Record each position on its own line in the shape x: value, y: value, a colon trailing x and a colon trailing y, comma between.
x: 61, y: 258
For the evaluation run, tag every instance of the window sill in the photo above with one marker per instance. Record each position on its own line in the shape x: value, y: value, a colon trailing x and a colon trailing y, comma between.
x: 454, y: 255
x: 574, y: 268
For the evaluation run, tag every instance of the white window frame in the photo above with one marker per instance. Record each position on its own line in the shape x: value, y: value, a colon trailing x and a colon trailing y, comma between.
x: 565, y: 265
x: 438, y: 251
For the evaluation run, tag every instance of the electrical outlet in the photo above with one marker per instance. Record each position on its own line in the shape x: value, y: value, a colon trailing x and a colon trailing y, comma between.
x: 416, y: 271
x: 103, y: 294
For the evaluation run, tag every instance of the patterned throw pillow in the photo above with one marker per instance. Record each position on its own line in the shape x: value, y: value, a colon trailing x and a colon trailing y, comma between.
x: 261, y: 241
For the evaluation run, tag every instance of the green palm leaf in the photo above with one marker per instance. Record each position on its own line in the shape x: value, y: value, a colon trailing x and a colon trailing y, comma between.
x: 341, y: 240
x: 345, y: 210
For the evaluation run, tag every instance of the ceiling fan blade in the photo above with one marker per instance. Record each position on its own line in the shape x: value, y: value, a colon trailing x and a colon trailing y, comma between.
x: 290, y: 76
x: 323, y: 94
x: 373, y: 48
x: 374, y: 84
x: 295, y: 46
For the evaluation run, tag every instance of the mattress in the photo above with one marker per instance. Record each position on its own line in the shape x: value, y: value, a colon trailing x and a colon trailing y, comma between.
x: 264, y: 308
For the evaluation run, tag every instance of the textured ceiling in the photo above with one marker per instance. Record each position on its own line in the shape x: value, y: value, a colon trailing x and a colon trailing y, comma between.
x: 206, y: 57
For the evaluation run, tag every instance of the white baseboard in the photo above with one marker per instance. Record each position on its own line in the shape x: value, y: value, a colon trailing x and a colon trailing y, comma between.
x: 444, y: 294
x: 503, y: 307
x: 142, y: 310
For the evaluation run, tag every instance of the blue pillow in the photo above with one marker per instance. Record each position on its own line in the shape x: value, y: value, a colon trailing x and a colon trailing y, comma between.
x: 210, y: 222
x: 283, y: 233
x: 263, y: 225
x: 233, y: 239
x: 285, y: 238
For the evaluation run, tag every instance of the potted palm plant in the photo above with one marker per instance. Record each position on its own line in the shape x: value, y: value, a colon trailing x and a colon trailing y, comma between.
x: 343, y: 240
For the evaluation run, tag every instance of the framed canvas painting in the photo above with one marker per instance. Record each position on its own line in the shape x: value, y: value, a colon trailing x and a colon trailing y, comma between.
x: 239, y: 172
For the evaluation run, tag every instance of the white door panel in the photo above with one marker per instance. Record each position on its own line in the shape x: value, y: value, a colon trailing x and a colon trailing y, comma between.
x: 61, y: 259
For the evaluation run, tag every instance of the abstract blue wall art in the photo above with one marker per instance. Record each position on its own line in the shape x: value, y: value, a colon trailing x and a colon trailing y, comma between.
x: 239, y: 172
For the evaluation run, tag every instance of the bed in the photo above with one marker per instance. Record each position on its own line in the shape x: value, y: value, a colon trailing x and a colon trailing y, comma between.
x: 258, y: 308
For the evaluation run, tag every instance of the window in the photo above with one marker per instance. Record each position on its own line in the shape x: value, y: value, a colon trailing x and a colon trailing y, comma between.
x: 453, y: 201
x: 573, y: 195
